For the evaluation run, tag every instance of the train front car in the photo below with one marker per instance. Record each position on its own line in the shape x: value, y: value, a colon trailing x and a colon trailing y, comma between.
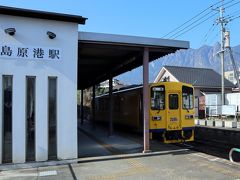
x: 172, y: 111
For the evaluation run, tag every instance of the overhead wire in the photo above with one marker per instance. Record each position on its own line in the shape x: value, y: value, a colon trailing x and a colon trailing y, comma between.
x: 214, y: 37
x: 232, y: 4
x: 233, y: 14
x: 209, y: 17
x: 234, y: 18
x: 190, y: 19
x: 225, y: 3
x: 181, y: 33
x: 193, y: 24
x: 209, y: 14
x: 211, y: 30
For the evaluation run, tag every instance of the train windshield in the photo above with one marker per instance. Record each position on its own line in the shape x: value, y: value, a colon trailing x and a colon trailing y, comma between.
x: 158, y: 98
x: 173, y: 101
x: 187, y: 97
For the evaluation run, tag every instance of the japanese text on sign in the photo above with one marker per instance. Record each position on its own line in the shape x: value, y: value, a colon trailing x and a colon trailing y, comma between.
x: 19, y: 52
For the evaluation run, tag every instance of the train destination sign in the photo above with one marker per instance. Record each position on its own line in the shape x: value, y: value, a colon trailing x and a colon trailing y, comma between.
x: 31, y: 53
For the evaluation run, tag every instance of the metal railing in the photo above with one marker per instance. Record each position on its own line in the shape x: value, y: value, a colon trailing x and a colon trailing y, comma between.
x: 231, y: 152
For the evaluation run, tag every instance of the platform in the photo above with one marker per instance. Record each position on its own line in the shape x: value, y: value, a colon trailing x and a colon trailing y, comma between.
x: 120, y: 157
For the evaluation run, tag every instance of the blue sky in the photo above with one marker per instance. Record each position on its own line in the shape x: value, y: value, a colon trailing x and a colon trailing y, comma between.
x: 153, y: 18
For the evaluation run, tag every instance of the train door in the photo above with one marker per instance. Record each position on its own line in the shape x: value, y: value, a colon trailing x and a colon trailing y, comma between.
x: 173, y: 111
x: 187, y: 107
x: 157, y: 108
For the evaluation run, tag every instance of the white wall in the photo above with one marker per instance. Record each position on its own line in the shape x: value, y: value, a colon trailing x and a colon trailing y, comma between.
x: 1, y: 105
x: 32, y: 32
x: 165, y: 74
x: 233, y: 99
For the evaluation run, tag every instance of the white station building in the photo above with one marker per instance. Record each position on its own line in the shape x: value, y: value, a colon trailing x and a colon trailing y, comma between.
x: 38, y: 79
x: 43, y: 61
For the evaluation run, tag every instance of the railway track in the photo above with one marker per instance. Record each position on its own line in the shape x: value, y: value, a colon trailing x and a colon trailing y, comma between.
x: 209, y: 146
x: 212, y: 147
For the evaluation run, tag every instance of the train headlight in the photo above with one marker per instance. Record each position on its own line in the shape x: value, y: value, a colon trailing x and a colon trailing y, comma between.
x: 156, y: 118
x: 189, y: 116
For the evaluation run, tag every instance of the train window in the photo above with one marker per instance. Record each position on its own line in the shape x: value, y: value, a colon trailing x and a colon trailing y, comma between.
x: 173, y: 101
x: 187, y: 97
x: 158, y: 98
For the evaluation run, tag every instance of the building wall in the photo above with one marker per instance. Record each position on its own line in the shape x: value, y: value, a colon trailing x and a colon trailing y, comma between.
x: 230, y: 76
x: 167, y: 75
x: 32, y: 32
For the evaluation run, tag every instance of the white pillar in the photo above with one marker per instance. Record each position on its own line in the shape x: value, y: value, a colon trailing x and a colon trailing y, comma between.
x: 41, y: 127
x: 66, y: 118
x: 1, y: 119
x: 18, y: 119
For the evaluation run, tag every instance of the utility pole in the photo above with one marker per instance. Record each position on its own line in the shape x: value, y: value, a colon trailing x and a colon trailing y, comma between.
x: 222, y: 22
x: 222, y: 51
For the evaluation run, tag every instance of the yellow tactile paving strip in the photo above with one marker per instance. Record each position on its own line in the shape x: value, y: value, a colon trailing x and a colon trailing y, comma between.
x: 136, y: 168
x: 206, y: 162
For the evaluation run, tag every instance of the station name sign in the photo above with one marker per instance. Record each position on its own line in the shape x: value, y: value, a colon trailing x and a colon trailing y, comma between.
x: 31, y: 53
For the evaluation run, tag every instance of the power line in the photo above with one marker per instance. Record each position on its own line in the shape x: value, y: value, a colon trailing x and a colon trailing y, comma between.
x: 191, y: 19
x: 232, y: 5
x: 207, y: 35
x: 210, y: 14
x: 234, y: 18
x: 228, y: 18
x: 188, y: 28
x: 233, y: 14
x: 214, y: 37
x: 194, y: 26
x: 203, y: 20
x: 191, y: 26
x: 224, y: 4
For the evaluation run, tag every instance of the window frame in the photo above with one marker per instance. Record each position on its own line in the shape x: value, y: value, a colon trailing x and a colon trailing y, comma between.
x: 192, y: 107
x: 164, y: 98
x: 170, y: 102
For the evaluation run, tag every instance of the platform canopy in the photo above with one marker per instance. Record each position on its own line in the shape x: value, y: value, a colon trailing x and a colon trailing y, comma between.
x: 103, y: 55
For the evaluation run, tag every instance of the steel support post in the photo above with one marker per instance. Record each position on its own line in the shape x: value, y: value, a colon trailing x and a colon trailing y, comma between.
x: 82, y: 111
x: 110, y: 106
x: 146, y: 100
x: 93, y: 106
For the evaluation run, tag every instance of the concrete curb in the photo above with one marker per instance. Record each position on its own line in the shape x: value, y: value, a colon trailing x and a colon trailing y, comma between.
x: 8, y: 167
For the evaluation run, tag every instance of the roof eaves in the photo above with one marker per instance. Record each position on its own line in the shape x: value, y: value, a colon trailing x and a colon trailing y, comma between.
x: 42, y: 15
x: 211, y: 87
x: 170, y: 73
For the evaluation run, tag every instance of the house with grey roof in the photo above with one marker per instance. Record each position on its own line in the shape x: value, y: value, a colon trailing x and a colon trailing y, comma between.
x: 204, y: 80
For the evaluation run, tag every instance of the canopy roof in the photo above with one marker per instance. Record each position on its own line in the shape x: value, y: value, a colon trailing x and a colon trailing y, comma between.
x: 103, y: 55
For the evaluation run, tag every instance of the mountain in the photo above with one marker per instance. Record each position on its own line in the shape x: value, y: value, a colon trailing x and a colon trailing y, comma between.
x: 204, y: 57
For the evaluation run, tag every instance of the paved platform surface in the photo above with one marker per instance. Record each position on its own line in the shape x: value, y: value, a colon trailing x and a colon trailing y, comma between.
x: 181, y: 165
x: 119, y: 157
x: 102, y: 144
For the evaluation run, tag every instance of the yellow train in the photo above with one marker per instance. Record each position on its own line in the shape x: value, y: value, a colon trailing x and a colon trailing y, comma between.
x: 171, y: 110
